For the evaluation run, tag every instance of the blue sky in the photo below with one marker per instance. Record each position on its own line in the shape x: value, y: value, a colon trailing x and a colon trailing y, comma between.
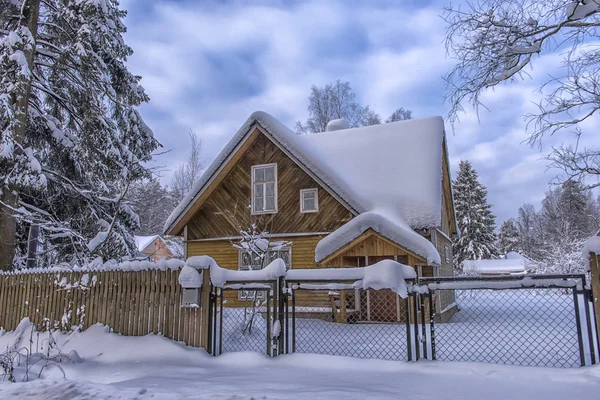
x: 207, y: 65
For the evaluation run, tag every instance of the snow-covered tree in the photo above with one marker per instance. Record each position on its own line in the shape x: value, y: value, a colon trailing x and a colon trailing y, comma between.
x: 495, y: 41
x: 189, y: 171
x: 71, y: 139
x: 509, y: 238
x: 152, y: 203
x: 400, y: 114
x: 476, y: 223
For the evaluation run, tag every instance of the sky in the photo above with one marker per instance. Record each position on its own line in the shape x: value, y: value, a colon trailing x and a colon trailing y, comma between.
x: 208, y: 65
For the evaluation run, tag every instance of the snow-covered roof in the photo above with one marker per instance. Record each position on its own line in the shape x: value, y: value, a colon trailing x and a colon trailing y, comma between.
x: 389, y: 227
x: 144, y: 241
x: 394, y: 167
x: 514, y: 263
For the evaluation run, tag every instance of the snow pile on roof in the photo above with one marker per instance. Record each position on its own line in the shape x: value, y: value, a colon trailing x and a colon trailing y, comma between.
x: 219, y: 276
x: 144, y: 241
x: 395, y: 166
x: 391, y: 228
x: 189, y: 277
x: 336, y: 125
x: 515, y: 265
x: 386, y: 274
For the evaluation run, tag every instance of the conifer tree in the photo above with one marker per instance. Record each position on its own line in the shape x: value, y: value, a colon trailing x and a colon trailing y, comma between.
x: 509, y: 237
x: 71, y: 139
x: 476, y: 223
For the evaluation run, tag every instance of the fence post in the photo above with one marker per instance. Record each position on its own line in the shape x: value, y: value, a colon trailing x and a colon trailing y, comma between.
x: 595, y: 273
x: 423, y: 326
x: 205, y: 303
x: 282, y: 328
x: 408, y: 333
x: 578, y: 322
x: 431, y: 325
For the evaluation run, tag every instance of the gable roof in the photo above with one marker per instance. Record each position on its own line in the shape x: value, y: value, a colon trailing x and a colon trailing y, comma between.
x: 394, y: 169
x: 144, y: 241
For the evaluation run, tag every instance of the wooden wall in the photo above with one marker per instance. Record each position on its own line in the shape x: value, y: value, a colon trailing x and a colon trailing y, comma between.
x: 132, y: 303
x: 157, y: 250
x: 226, y: 210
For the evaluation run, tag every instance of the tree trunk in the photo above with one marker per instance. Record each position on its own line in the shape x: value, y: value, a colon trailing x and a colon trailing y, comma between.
x: 32, y: 245
x: 20, y: 101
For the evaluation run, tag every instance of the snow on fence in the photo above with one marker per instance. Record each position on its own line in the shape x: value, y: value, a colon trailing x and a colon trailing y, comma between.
x: 133, y: 298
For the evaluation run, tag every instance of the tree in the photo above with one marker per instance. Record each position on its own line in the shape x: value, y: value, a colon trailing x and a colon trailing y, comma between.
x: 494, y: 41
x: 188, y: 172
x: 153, y: 203
x: 71, y: 139
x: 509, y: 237
x: 476, y: 223
x: 399, y: 115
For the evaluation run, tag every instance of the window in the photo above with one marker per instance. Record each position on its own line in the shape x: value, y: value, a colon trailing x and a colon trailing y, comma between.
x: 248, y: 261
x: 264, y: 189
x: 309, y: 200
x: 447, y: 253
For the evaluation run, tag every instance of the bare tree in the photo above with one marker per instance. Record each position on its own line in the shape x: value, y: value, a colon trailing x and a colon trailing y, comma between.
x: 400, y: 114
x: 188, y: 172
x: 494, y: 41
x: 335, y: 101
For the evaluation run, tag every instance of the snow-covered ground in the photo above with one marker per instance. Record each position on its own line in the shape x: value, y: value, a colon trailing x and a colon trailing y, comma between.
x: 117, y: 367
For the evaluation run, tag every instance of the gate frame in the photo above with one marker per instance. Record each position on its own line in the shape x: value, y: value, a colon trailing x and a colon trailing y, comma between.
x: 579, y: 289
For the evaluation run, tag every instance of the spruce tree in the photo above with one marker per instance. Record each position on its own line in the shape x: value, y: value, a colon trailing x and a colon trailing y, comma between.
x: 509, y: 237
x: 71, y: 139
x: 476, y: 223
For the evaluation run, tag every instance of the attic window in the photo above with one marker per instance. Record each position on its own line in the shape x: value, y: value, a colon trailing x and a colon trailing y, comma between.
x: 264, y: 189
x: 309, y: 200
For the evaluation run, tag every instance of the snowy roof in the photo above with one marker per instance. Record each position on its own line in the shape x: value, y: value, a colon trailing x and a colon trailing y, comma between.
x: 514, y: 263
x: 395, y: 168
x: 144, y: 241
x: 391, y: 228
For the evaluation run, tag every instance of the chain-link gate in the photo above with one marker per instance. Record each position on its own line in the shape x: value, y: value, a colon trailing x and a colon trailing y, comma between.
x: 243, y: 315
x: 335, y: 318
x: 546, y: 322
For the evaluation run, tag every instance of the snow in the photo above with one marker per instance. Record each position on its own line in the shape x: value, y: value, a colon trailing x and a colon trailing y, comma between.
x: 580, y: 9
x: 201, y: 262
x: 513, y: 266
x: 336, y: 125
x: 394, y: 229
x: 385, y: 274
x: 190, y: 277
x: 526, y: 282
x: 99, y: 265
x: 122, y: 367
x: 396, y: 167
x: 219, y: 276
x: 591, y: 245
x: 97, y: 240
x: 144, y: 241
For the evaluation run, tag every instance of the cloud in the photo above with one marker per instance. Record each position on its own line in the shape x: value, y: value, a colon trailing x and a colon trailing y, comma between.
x: 208, y: 65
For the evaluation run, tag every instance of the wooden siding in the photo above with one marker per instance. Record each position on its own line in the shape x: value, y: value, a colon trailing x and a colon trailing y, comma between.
x: 227, y: 210
x: 157, y: 250
x: 448, y: 222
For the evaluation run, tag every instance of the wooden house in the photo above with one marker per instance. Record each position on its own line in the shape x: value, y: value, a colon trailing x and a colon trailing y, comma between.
x: 344, y: 198
x: 155, y: 247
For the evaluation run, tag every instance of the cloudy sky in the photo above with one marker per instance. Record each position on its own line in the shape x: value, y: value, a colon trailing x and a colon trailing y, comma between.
x: 207, y: 65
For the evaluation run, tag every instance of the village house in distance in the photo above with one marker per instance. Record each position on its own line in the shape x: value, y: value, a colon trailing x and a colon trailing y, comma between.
x: 344, y: 198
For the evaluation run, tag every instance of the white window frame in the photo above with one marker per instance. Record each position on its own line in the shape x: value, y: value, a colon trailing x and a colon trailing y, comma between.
x: 302, y: 192
x: 447, y: 253
x: 249, y: 294
x: 275, y: 192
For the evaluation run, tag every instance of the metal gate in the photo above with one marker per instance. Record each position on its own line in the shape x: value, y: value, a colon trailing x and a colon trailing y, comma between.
x: 245, y: 317
x: 335, y: 318
x: 545, y: 320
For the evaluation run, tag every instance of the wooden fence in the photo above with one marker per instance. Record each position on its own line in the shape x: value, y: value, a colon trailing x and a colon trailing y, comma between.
x: 132, y: 303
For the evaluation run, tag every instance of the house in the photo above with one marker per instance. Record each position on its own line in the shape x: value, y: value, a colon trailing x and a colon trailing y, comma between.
x: 344, y: 197
x: 155, y: 247
x: 513, y: 264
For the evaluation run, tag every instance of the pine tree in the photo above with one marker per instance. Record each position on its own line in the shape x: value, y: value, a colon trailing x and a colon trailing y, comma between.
x: 476, y: 223
x: 509, y: 237
x: 71, y: 140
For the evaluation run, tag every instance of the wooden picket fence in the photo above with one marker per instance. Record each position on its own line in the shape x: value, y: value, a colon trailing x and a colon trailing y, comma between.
x: 132, y: 303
